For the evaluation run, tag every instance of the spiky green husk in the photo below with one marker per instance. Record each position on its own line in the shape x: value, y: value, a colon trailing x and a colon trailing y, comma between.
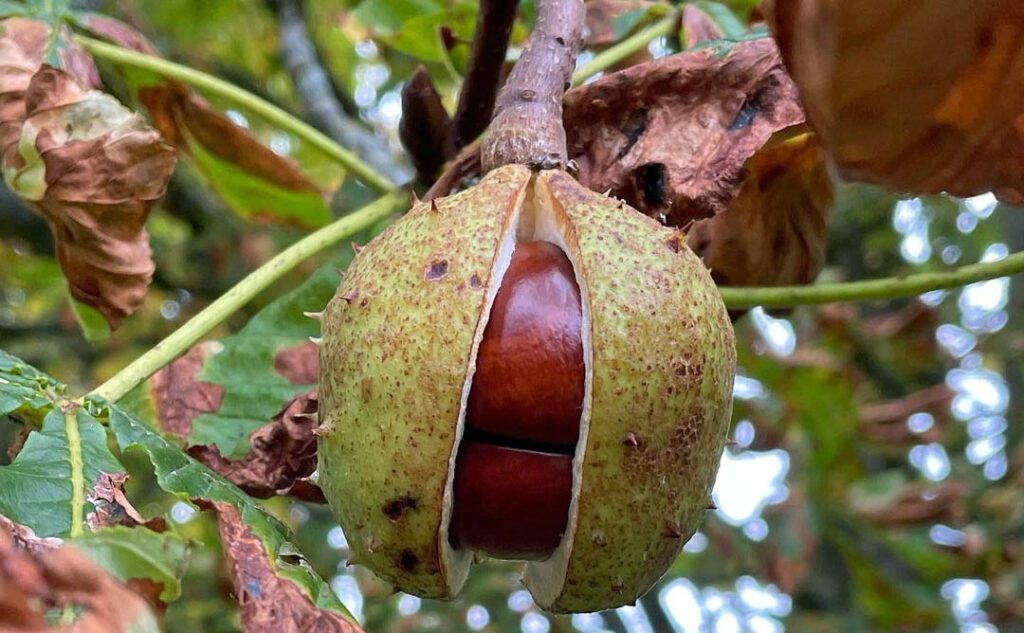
x: 662, y: 362
x: 399, y: 345
x: 397, y: 342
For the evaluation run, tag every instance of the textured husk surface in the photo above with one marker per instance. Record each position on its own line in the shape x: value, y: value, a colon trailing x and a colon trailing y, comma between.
x: 662, y: 368
x: 397, y: 342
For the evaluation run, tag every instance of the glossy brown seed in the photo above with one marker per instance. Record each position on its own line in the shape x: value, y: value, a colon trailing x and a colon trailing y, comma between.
x: 510, y: 503
x: 529, y: 374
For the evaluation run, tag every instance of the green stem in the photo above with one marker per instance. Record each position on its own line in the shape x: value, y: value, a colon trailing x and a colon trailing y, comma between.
x: 198, y: 326
x: 887, y: 288
x: 611, y: 56
x: 244, y: 99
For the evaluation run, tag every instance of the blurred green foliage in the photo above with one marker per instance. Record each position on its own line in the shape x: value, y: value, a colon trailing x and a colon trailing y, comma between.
x: 853, y: 543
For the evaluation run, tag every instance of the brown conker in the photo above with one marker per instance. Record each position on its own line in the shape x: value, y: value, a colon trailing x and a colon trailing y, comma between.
x: 510, y: 503
x: 529, y: 368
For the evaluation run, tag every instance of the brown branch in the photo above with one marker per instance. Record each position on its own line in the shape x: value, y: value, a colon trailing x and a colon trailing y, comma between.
x: 425, y: 126
x: 527, y: 127
x: 494, y: 22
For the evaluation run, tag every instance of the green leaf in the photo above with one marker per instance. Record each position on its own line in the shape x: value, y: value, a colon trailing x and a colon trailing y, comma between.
x: 138, y: 552
x: 253, y: 390
x: 255, y: 198
x: 420, y: 37
x: 24, y: 390
x: 93, y: 325
x: 624, y: 23
x: 731, y: 26
x: 52, y: 11
x: 386, y: 17
x: 45, y: 487
x: 179, y: 474
x: 11, y: 9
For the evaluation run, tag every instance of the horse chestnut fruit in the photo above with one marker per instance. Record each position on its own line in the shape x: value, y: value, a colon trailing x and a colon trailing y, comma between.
x: 526, y: 370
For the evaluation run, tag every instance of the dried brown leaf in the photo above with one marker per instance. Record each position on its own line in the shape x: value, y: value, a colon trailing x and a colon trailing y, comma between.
x: 39, y: 575
x: 923, y: 96
x: 93, y: 169
x: 281, y: 457
x: 111, y: 507
x: 774, y: 233
x: 269, y: 603
x: 671, y: 137
x: 180, y: 114
x: 179, y: 397
x: 22, y: 46
x: 299, y: 364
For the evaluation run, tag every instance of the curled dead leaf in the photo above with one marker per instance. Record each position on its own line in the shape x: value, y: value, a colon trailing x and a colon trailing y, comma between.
x: 281, y: 457
x: 41, y: 575
x: 190, y: 124
x: 924, y: 96
x: 22, y: 46
x: 269, y: 603
x: 181, y: 116
x: 91, y: 167
x: 671, y: 137
x: 774, y: 233
x: 111, y: 506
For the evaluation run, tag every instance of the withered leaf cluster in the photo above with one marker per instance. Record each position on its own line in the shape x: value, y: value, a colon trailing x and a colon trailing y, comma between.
x: 282, y: 452
x: 38, y: 576
x: 671, y: 137
x: 269, y: 603
x: 923, y: 96
x: 87, y: 164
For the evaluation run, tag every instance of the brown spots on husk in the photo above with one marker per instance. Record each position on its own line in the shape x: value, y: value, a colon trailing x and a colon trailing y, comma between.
x: 408, y: 560
x: 436, y: 270
x: 396, y: 508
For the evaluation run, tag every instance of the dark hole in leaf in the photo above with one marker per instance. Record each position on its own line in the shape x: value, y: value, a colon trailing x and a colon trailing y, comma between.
x: 650, y: 181
x: 747, y: 112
